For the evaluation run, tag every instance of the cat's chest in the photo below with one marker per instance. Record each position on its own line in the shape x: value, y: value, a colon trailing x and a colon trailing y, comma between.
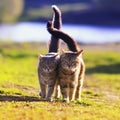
x: 68, y: 77
x: 47, y: 79
x: 44, y: 75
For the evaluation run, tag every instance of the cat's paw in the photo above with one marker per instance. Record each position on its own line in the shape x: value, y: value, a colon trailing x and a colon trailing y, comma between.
x: 49, y: 99
x: 40, y: 94
x: 42, y: 99
x: 57, y: 97
x: 76, y: 101
x: 66, y: 100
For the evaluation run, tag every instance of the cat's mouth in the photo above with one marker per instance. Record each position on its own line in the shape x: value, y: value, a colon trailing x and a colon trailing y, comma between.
x: 68, y: 72
x: 46, y: 73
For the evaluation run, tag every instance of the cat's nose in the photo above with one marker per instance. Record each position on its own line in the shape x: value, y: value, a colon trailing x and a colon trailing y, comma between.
x: 69, y: 66
x: 48, y: 69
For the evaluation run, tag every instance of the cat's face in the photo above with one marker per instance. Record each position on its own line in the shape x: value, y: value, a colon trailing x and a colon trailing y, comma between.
x: 70, y: 61
x: 48, y: 64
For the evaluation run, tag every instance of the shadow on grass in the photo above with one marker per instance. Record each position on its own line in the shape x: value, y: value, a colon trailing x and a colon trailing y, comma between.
x: 110, y: 69
x: 10, y: 98
x: 18, y: 98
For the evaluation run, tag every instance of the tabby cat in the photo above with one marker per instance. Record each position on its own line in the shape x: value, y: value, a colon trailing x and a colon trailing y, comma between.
x: 47, y: 66
x: 71, y: 68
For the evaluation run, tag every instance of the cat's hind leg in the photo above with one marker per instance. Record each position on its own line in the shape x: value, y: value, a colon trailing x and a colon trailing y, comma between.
x: 57, y: 91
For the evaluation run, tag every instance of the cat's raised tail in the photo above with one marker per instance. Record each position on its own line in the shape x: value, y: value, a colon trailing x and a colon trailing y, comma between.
x: 71, y: 43
x: 57, y: 23
x: 57, y: 18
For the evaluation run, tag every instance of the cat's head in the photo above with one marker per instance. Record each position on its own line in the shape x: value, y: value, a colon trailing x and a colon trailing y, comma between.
x: 69, y: 61
x: 48, y: 63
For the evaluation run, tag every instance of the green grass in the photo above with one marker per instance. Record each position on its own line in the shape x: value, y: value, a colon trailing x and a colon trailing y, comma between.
x: 19, y: 86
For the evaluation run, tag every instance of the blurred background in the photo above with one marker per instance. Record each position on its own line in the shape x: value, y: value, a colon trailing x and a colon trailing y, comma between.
x: 95, y: 24
x: 88, y: 21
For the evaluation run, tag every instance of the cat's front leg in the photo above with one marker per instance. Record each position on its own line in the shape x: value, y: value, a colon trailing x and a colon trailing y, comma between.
x: 43, y: 91
x: 65, y: 92
x: 79, y: 90
x: 72, y: 92
x: 78, y: 93
x: 50, y: 92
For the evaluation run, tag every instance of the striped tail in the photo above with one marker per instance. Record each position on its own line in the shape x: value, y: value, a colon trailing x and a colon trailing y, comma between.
x: 71, y: 43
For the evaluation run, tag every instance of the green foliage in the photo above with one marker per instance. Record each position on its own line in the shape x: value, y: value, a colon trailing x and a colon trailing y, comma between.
x: 10, y: 10
x: 19, y: 86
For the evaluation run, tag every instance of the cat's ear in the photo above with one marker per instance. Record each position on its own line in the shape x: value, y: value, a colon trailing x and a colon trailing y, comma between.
x: 40, y: 56
x: 79, y: 53
x: 62, y: 51
x: 56, y: 56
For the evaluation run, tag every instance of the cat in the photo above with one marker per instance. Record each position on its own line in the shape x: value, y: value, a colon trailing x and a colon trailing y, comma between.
x: 47, y: 74
x: 48, y: 63
x: 71, y: 70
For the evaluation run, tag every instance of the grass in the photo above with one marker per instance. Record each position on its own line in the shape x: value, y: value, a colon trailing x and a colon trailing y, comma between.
x: 19, y: 85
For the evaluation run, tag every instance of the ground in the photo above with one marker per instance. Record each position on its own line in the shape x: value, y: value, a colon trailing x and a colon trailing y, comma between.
x: 19, y: 86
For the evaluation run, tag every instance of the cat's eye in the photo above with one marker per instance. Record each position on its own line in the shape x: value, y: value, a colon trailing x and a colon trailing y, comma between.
x: 68, y: 62
x: 74, y: 64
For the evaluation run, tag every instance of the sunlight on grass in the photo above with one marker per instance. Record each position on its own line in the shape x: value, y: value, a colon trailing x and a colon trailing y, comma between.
x: 19, y: 82
x: 109, y: 82
x: 11, y: 91
x: 55, y: 111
